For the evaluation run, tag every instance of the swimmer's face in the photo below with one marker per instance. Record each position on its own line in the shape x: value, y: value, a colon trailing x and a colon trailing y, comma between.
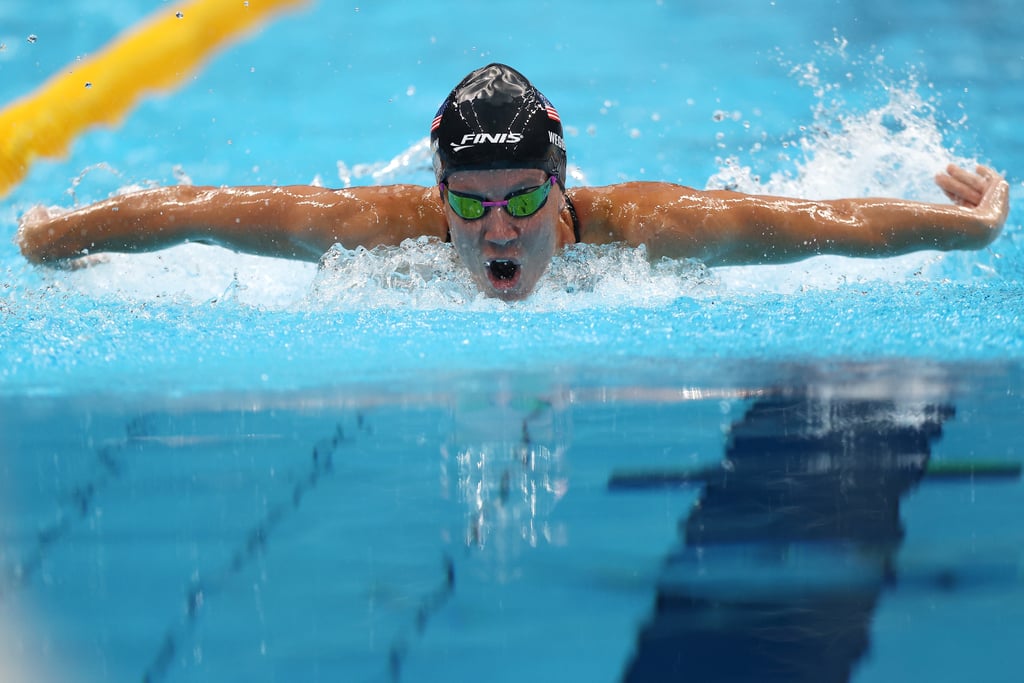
x: 506, y: 255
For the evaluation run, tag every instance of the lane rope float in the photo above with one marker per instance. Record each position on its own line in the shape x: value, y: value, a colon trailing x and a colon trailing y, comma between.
x: 155, y: 54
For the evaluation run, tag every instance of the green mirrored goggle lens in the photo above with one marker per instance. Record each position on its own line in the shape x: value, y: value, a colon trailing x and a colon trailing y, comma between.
x: 518, y: 204
x: 465, y: 207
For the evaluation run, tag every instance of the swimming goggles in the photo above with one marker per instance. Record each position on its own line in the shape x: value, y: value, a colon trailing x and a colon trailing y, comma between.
x: 518, y: 204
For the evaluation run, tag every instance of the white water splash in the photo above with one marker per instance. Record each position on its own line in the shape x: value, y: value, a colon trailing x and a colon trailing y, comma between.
x: 426, y: 274
x: 892, y: 149
x: 410, y: 165
x: 188, y: 273
x: 421, y: 273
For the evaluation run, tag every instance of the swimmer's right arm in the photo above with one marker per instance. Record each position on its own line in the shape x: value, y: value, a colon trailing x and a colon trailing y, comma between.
x: 297, y: 222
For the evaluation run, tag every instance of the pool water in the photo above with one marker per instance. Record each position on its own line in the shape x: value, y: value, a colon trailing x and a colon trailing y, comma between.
x: 224, y: 467
x: 851, y: 518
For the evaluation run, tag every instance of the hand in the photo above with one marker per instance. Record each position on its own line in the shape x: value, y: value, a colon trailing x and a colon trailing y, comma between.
x: 985, y: 191
x: 34, y: 234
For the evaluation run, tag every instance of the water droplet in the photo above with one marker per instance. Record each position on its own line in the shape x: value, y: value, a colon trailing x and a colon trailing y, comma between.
x: 88, y: 84
x: 180, y: 15
x: 32, y: 38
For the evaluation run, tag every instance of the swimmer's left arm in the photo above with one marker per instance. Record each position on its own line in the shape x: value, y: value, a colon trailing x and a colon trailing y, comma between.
x: 730, y: 228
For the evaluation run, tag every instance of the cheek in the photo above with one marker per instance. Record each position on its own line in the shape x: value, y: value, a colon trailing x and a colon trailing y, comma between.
x: 464, y: 244
x: 457, y: 233
x: 543, y: 234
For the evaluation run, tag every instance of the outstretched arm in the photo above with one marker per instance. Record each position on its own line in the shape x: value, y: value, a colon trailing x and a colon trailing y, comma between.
x: 730, y: 228
x: 299, y: 222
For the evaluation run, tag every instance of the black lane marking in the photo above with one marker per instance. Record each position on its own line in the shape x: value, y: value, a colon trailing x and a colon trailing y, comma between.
x: 254, y: 545
x: 72, y: 507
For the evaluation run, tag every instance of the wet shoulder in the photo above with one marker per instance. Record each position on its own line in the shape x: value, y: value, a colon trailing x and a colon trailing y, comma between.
x: 613, y: 213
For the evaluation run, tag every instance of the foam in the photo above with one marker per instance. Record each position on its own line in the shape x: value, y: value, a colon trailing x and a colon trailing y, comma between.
x: 891, y: 148
x: 426, y: 274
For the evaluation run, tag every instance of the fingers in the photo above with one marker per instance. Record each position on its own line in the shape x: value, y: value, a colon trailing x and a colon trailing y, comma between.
x: 964, y: 187
x: 35, y: 236
x: 984, y: 191
x: 28, y: 227
x: 957, y: 191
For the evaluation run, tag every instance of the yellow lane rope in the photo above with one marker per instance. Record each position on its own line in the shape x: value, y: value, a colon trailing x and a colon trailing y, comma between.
x: 155, y: 54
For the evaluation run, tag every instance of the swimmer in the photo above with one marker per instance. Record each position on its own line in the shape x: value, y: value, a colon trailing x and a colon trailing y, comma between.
x: 500, y: 164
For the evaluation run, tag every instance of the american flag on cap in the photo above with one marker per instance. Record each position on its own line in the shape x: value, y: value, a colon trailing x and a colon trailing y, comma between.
x: 436, y: 123
x: 549, y: 108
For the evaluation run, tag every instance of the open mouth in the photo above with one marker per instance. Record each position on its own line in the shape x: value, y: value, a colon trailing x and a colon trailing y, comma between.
x: 503, y: 273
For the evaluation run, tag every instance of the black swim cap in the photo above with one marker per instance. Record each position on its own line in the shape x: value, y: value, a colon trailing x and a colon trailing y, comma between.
x: 495, y: 118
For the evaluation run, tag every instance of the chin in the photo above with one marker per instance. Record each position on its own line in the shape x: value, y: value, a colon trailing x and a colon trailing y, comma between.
x: 504, y: 291
x: 521, y: 290
x: 509, y: 294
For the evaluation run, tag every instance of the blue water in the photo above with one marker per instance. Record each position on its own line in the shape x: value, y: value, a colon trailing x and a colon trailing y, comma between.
x: 797, y: 103
x: 164, y: 516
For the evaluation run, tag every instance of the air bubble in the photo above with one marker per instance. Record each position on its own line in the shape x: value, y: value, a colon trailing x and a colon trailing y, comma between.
x: 32, y: 38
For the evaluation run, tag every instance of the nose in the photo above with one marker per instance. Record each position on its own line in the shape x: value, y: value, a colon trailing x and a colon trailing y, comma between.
x: 499, y: 229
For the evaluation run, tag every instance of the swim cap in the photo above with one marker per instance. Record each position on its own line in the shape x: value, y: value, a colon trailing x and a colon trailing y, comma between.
x: 495, y: 118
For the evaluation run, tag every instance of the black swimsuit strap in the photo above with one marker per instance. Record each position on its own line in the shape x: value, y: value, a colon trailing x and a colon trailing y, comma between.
x: 575, y: 219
